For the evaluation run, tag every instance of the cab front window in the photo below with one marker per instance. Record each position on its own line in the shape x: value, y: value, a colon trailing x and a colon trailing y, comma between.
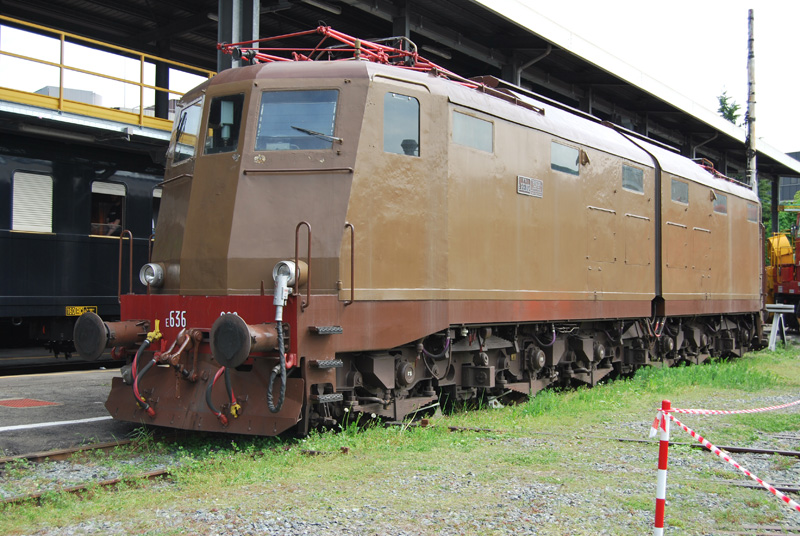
x: 224, y: 121
x: 297, y: 120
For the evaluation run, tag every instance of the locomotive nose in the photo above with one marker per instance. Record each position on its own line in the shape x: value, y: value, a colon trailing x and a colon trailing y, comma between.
x: 92, y: 336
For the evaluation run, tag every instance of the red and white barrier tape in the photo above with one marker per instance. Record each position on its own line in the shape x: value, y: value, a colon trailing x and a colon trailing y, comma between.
x: 731, y: 412
x: 731, y: 461
x: 661, y: 427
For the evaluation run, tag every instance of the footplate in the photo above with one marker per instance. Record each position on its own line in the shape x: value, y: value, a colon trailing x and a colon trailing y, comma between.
x: 327, y: 363
x: 327, y: 399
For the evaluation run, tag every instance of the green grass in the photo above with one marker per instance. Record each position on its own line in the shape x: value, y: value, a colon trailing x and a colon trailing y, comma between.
x: 551, y: 439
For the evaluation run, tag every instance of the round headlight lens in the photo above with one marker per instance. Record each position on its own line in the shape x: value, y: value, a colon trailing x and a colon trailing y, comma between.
x: 286, y: 269
x: 152, y: 274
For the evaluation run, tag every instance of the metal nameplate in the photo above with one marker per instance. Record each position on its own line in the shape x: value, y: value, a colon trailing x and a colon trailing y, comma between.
x: 78, y: 310
x: 529, y: 186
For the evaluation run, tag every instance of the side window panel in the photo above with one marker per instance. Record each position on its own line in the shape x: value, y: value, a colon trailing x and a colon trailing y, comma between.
x: 297, y: 120
x: 400, y: 124
x: 680, y: 192
x: 632, y: 179
x: 472, y: 132
x: 720, y: 203
x: 187, y: 127
x: 564, y: 158
x: 224, y: 120
x: 156, y: 207
x: 32, y: 202
x: 108, y: 208
x: 752, y: 212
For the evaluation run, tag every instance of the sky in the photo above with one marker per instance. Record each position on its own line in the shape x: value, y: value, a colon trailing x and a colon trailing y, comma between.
x: 699, y: 49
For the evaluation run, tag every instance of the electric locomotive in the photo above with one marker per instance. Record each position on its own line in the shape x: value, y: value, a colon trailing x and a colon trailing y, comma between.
x: 376, y: 234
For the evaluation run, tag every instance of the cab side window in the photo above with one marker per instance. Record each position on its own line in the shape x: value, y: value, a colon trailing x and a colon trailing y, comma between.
x: 224, y: 120
x: 400, y: 124
x: 156, y: 207
x: 187, y: 127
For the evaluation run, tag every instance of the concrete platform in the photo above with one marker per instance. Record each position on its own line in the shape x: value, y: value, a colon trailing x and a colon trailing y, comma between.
x: 75, y: 416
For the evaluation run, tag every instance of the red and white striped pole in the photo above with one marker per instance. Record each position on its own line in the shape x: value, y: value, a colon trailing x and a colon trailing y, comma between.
x: 663, y: 453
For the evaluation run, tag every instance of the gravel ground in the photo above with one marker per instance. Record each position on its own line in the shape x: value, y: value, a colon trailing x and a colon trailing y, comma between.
x: 595, y: 486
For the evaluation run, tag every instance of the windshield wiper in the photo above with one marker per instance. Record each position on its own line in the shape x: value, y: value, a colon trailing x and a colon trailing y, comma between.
x: 318, y: 134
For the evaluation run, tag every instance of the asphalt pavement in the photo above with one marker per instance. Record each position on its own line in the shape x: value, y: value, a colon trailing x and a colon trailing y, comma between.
x: 42, y: 412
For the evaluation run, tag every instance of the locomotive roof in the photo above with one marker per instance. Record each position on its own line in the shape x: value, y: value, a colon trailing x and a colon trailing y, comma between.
x: 555, y: 120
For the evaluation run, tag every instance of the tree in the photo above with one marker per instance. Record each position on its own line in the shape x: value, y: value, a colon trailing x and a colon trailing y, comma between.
x: 728, y: 108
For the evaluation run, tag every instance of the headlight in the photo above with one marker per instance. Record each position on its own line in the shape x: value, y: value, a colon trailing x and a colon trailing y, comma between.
x: 152, y: 274
x: 286, y: 269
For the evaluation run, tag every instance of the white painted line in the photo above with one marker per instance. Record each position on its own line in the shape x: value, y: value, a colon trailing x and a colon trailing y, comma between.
x: 48, y: 424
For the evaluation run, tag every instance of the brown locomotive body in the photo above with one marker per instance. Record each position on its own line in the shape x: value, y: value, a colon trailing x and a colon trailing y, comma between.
x: 445, y: 242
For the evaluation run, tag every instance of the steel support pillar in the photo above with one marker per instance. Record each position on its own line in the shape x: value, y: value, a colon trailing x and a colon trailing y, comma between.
x: 162, y: 80
x: 401, y: 24
x: 238, y: 21
x: 510, y: 71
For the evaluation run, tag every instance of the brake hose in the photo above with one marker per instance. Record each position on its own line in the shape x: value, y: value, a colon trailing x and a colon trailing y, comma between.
x: 279, y: 369
x: 218, y: 414
x: 140, y: 400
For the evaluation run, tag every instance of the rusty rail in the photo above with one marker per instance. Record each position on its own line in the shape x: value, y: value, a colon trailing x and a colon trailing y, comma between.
x: 37, y: 496
x: 303, y: 304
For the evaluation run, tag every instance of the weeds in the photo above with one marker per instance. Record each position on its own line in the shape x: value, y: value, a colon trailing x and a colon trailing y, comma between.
x: 430, y: 471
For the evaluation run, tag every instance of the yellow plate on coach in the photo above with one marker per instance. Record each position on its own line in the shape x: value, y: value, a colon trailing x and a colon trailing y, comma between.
x: 78, y: 310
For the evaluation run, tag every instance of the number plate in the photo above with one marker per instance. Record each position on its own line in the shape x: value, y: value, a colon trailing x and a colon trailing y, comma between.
x: 78, y: 310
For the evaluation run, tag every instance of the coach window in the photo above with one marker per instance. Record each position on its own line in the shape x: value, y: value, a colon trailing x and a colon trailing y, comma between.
x: 224, y: 120
x: 564, y: 158
x: 680, y: 192
x: 720, y: 203
x: 400, y: 124
x: 156, y: 207
x: 472, y: 132
x: 187, y: 127
x: 632, y: 179
x: 297, y: 120
x: 32, y: 202
x: 108, y: 208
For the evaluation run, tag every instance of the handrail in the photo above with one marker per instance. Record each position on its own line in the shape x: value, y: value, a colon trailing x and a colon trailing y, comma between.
x: 130, y: 264
x: 140, y: 56
x: 303, y: 304
x: 150, y: 247
x: 349, y: 225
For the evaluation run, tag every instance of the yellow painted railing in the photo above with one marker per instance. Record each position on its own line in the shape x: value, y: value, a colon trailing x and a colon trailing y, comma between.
x: 66, y: 105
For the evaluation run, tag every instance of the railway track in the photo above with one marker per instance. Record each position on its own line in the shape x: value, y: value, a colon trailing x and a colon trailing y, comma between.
x: 66, y: 454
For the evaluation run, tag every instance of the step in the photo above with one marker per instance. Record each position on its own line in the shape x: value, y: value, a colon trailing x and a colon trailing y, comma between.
x: 326, y: 330
x: 327, y: 399
x: 327, y: 363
